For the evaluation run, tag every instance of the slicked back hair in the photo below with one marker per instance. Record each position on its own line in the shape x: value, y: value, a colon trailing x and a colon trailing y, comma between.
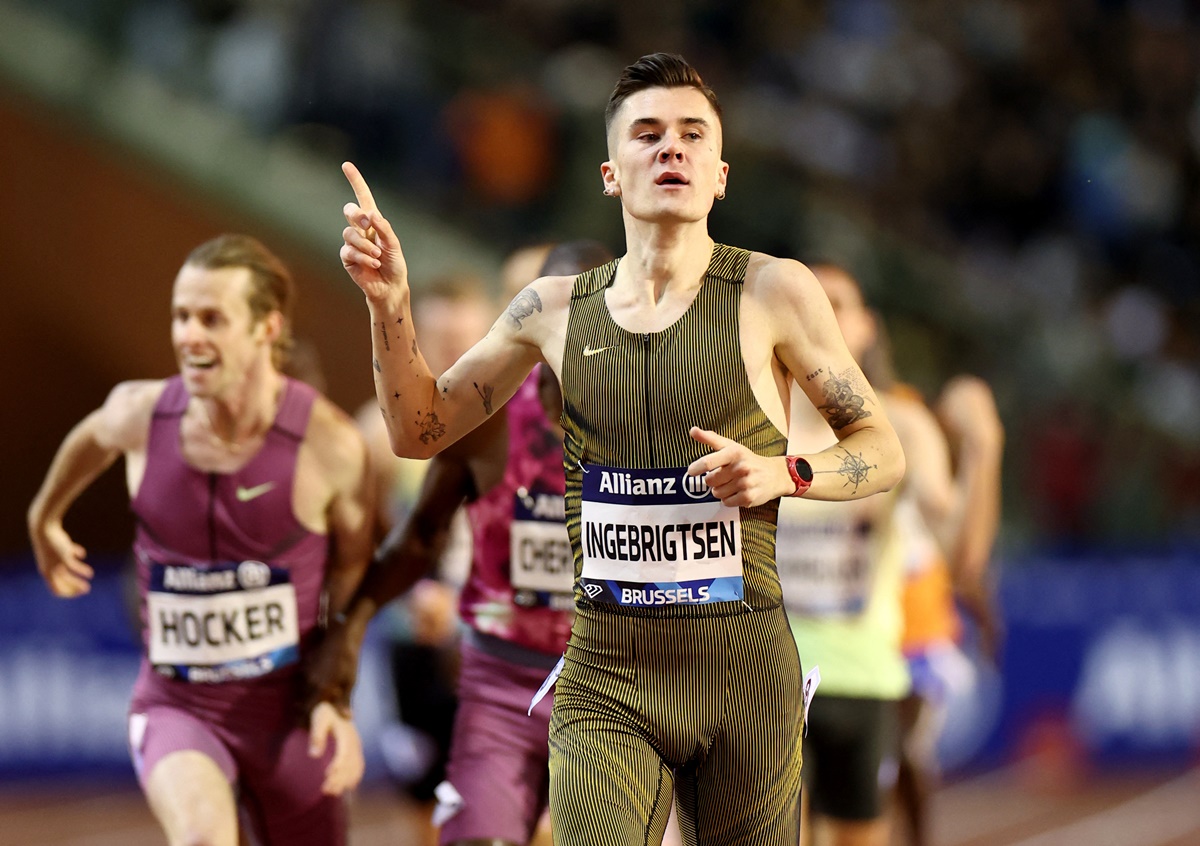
x: 657, y: 70
x: 271, y: 288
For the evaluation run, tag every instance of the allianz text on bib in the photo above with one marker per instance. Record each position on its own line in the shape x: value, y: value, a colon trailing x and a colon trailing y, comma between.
x: 657, y: 537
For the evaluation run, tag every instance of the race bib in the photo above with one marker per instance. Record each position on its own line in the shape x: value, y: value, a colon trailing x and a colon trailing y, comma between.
x: 542, y: 568
x: 657, y: 537
x: 216, y: 624
x: 824, y: 567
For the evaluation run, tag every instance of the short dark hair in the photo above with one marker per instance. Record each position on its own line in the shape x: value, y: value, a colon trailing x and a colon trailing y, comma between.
x: 657, y: 70
x: 271, y: 287
x: 571, y: 258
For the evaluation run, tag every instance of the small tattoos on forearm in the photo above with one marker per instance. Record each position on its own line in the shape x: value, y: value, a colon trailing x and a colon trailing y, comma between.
x: 814, y: 374
x: 431, y: 428
x: 375, y: 364
x: 523, y: 305
x: 485, y: 393
x: 844, y: 403
x: 387, y: 345
x: 396, y: 395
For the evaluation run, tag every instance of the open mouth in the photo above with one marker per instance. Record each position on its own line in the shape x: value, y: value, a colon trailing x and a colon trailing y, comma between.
x: 198, y: 362
x: 671, y: 179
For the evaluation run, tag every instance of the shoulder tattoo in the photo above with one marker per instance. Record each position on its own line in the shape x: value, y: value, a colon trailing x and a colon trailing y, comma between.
x: 523, y: 305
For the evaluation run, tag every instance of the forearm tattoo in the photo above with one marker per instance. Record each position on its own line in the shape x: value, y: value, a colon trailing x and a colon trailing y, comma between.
x: 387, y: 345
x: 485, y: 393
x: 523, y: 305
x: 854, y: 469
x: 844, y: 404
x: 431, y: 428
x: 375, y: 364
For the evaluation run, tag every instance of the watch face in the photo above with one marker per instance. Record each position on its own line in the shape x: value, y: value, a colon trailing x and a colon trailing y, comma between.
x: 801, y: 469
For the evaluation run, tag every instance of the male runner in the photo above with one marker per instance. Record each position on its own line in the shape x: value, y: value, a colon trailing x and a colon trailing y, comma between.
x: 674, y: 364
x: 842, y: 570
x: 253, y: 504
x: 516, y: 602
x: 948, y: 531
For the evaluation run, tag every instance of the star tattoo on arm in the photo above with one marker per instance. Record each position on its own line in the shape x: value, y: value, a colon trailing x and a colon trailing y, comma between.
x: 854, y: 468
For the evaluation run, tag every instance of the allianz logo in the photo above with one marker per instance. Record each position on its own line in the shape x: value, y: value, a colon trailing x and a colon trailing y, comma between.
x: 544, y: 506
x: 248, y: 575
x: 617, y: 482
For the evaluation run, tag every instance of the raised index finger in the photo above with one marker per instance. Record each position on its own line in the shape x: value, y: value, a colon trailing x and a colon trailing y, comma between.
x: 361, y: 192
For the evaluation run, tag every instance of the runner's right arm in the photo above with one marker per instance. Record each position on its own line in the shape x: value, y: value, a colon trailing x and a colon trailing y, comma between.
x: 424, y: 412
x: 120, y: 426
x: 410, y: 552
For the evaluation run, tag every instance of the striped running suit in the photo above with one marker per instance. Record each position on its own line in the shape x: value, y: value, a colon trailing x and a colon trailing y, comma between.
x: 701, y: 697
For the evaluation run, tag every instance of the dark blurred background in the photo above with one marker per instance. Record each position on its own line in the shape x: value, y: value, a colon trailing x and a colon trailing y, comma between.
x: 1016, y: 182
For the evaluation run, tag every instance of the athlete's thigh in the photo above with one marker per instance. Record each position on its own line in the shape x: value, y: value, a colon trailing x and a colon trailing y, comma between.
x: 281, y: 791
x: 498, y: 769
x: 187, y: 772
x: 854, y: 740
x: 608, y: 785
x: 747, y: 788
x: 192, y: 799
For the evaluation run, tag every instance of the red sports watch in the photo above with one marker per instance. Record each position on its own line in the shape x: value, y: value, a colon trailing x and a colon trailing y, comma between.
x: 801, y: 472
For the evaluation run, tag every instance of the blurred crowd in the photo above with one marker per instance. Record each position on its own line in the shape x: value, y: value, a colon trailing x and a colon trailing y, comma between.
x: 1015, y: 182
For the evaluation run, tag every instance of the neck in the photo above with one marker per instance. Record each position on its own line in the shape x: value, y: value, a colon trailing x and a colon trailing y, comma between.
x: 660, y: 258
x: 244, y: 414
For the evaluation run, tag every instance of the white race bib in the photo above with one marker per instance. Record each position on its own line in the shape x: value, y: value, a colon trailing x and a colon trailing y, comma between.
x: 541, y: 568
x: 215, y: 624
x: 657, y: 537
x: 824, y: 566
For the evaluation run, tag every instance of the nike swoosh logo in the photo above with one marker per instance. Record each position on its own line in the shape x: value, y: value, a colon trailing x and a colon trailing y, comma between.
x: 247, y: 494
x: 589, y: 351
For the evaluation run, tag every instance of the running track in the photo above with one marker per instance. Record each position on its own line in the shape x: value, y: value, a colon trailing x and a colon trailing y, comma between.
x: 1015, y: 806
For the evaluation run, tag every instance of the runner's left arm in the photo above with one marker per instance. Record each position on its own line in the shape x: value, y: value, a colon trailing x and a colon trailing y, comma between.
x: 790, y: 307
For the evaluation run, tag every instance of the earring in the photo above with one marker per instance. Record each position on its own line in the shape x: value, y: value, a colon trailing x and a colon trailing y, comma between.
x: 721, y: 196
x: 608, y: 192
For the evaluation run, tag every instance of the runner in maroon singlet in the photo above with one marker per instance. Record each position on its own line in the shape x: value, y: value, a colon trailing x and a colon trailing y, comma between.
x: 253, y: 505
